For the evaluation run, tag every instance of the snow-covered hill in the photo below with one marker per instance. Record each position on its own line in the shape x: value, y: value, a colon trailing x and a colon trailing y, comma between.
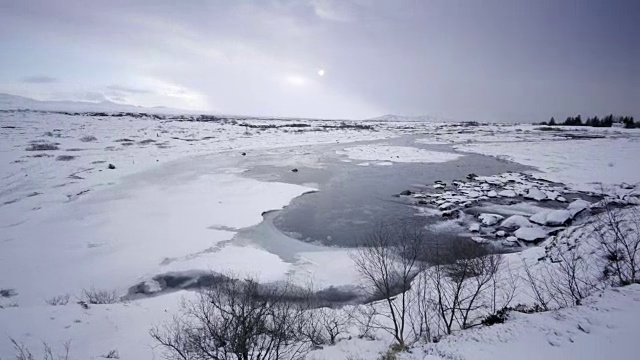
x: 14, y: 102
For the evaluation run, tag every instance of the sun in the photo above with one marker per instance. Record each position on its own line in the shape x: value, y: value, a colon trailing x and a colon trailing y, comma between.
x: 321, y: 72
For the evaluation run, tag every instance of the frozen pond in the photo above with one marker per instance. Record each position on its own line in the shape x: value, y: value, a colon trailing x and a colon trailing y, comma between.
x: 354, y: 197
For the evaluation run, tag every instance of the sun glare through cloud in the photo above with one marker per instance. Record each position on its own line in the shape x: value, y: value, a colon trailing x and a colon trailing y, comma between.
x: 296, y: 80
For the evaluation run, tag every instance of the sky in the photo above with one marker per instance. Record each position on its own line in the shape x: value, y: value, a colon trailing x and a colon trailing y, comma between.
x: 490, y: 60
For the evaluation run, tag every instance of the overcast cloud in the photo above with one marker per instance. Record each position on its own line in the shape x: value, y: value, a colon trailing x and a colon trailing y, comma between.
x: 510, y: 60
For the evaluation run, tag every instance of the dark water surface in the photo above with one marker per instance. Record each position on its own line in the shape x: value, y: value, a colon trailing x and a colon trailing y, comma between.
x: 353, y: 198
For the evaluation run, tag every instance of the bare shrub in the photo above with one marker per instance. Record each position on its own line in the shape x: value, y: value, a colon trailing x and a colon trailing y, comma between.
x: 58, y: 300
x: 505, y: 286
x: 618, y: 232
x: 565, y: 281
x: 423, y: 312
x: 24, y: 353
x: 93, y: 296
x: 312, y: 332
x: 461, y: 284
x: 334, y: 323
x: 388, y: 260
x: 571, y: 271
x: 537, y: 285
x: 113, y: 354
x: 480, y: 292
x: 324, y: 325
x: 363, y: 317
x: 236, y: 319
x: 570, y: 278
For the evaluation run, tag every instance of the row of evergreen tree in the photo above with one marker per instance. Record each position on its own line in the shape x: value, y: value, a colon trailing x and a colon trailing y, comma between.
x: 607, y: 121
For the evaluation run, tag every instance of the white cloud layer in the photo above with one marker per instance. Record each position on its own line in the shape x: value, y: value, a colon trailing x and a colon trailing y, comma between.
x: 489, y: 61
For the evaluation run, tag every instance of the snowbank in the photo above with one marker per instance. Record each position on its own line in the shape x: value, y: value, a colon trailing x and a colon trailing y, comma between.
x: 582, y: 164
x: 530, y: 233
x: 604, y: 328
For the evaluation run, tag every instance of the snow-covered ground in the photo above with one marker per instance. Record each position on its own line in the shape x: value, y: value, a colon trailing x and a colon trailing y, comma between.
x: 386, y: 154
x: 176, y: 194
x: 177, y: 200
x: 605, y: 327
x: 583, y: 157
x: 584, y: 164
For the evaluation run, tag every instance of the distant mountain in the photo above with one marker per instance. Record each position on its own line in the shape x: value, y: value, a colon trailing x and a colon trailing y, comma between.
x: 401, y: 118
x: 15, y: 102
x: 10, y: 102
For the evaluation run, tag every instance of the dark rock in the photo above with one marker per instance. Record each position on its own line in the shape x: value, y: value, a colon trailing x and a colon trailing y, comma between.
x: 111, y: 166
x: 294, y: 170
x: 451, y: 214
x: 472, y: 176
x: 624, y: 185
x: 7, y: 293
x: 406, y: 192
x: 244, y: 154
